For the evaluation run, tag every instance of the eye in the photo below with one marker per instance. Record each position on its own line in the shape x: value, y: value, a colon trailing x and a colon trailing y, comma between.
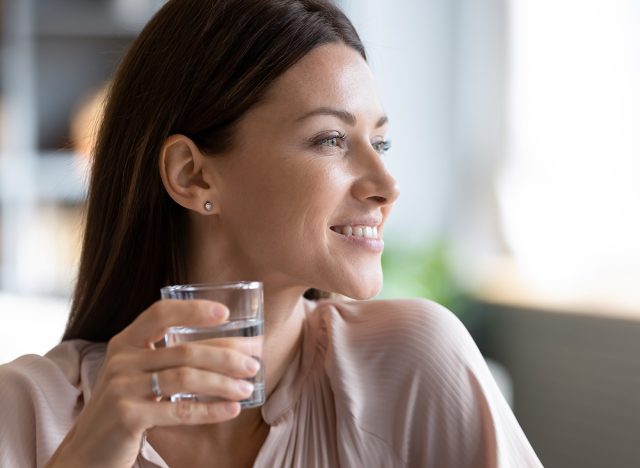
x: 330, y: 141
x: 333, y: 141
x: 381, y: 146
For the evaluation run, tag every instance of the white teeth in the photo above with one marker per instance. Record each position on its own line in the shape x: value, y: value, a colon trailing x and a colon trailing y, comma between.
x: 369, y: 232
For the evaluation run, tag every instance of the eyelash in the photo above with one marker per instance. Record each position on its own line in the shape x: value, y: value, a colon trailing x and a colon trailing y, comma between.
x: 385, y: 145
x: 381, y: 147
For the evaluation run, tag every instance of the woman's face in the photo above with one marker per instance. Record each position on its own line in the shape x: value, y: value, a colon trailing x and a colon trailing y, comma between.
x: 304, y: 194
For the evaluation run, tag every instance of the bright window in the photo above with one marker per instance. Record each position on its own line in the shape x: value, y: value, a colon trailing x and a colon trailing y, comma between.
x: 569, y: 193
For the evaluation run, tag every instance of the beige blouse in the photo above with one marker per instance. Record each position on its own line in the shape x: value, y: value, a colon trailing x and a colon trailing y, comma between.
x: 375, y: 384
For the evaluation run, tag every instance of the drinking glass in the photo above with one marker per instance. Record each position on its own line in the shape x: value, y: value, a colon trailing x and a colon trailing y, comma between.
x: 245, y: 327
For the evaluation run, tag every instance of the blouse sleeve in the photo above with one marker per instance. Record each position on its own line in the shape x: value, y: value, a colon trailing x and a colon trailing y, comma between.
x: 17, y: 417
x: 454, y: 413
x: 37, y: 408
x: 416, y: 379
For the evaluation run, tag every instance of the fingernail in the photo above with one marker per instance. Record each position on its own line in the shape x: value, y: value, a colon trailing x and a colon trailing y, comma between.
x: 252, y: 365
x: 245, y: 387
x: 220, y: 311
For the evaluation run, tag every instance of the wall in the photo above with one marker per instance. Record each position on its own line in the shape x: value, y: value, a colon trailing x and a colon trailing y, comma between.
x: 412, y: 63
x: 576, y: 383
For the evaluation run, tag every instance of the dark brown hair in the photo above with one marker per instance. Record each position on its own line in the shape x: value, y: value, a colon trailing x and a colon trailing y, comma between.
x: 195, y: 69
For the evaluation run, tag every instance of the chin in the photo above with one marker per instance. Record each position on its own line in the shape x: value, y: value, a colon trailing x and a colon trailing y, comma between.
x: 363, y: 290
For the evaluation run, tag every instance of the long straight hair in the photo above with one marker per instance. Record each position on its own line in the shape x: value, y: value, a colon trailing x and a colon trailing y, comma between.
x: 196, y: 68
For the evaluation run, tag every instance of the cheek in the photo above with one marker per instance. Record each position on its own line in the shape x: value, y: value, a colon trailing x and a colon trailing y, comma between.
x: 280, y: 214
x: 291, y: 204
x: 299, y: 189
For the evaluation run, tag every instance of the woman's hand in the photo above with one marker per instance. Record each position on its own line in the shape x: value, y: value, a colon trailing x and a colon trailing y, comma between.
x: 109, y: 430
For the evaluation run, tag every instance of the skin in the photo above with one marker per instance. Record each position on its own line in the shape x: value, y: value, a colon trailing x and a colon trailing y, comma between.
x: 278, y: 196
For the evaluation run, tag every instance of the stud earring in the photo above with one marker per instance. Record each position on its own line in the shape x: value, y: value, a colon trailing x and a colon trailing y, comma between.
x: 208, y: 206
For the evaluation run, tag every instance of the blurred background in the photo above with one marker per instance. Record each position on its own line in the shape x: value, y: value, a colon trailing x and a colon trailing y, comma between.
x: 516, y: 142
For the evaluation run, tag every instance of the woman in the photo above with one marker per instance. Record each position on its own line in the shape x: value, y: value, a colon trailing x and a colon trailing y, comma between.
x: 244, y: 140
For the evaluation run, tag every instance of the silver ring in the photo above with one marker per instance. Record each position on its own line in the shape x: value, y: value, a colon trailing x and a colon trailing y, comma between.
x: 155, y: 387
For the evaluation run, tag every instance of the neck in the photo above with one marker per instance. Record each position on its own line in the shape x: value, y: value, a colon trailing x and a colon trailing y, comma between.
x: 284, y: 318
x: 284, y: 306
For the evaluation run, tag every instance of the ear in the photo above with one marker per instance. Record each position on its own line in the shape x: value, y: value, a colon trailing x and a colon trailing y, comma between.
x: 184, y: 174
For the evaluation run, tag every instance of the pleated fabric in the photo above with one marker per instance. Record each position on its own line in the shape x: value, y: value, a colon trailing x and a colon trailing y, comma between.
x: 374, y: 384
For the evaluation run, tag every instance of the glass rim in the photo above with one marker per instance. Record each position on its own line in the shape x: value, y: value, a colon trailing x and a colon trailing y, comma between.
x: 239, y: 285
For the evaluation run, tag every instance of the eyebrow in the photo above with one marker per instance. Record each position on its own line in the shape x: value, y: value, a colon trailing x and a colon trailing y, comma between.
x: 343, y: 115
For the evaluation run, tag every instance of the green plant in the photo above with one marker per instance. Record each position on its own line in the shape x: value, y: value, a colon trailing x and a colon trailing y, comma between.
x: 424, y: 271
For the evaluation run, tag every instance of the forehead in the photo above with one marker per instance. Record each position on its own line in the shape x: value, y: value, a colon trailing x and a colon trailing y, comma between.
x: 331, y: 75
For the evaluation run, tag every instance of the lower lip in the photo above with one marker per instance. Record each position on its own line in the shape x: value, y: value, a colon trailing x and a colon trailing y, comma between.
x: 374, y: 245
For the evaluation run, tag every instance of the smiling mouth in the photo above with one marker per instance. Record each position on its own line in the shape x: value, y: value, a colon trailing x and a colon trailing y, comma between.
x: 367, y: 232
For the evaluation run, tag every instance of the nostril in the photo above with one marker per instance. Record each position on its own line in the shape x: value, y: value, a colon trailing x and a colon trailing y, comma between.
x: 378, y: 199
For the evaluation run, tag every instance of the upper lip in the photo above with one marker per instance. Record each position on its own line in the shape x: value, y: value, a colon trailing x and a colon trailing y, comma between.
x: 362, y: 221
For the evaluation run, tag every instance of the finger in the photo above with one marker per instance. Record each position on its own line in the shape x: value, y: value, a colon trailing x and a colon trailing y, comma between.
x: 183, y: 380
x: 187, y: 412
x: 251, y: 345
x: 151, y: 325
x: 196, y: 381
x: 223, y: 360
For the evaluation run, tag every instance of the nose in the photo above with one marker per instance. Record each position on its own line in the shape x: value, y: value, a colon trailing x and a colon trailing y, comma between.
x: 374, y: 183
